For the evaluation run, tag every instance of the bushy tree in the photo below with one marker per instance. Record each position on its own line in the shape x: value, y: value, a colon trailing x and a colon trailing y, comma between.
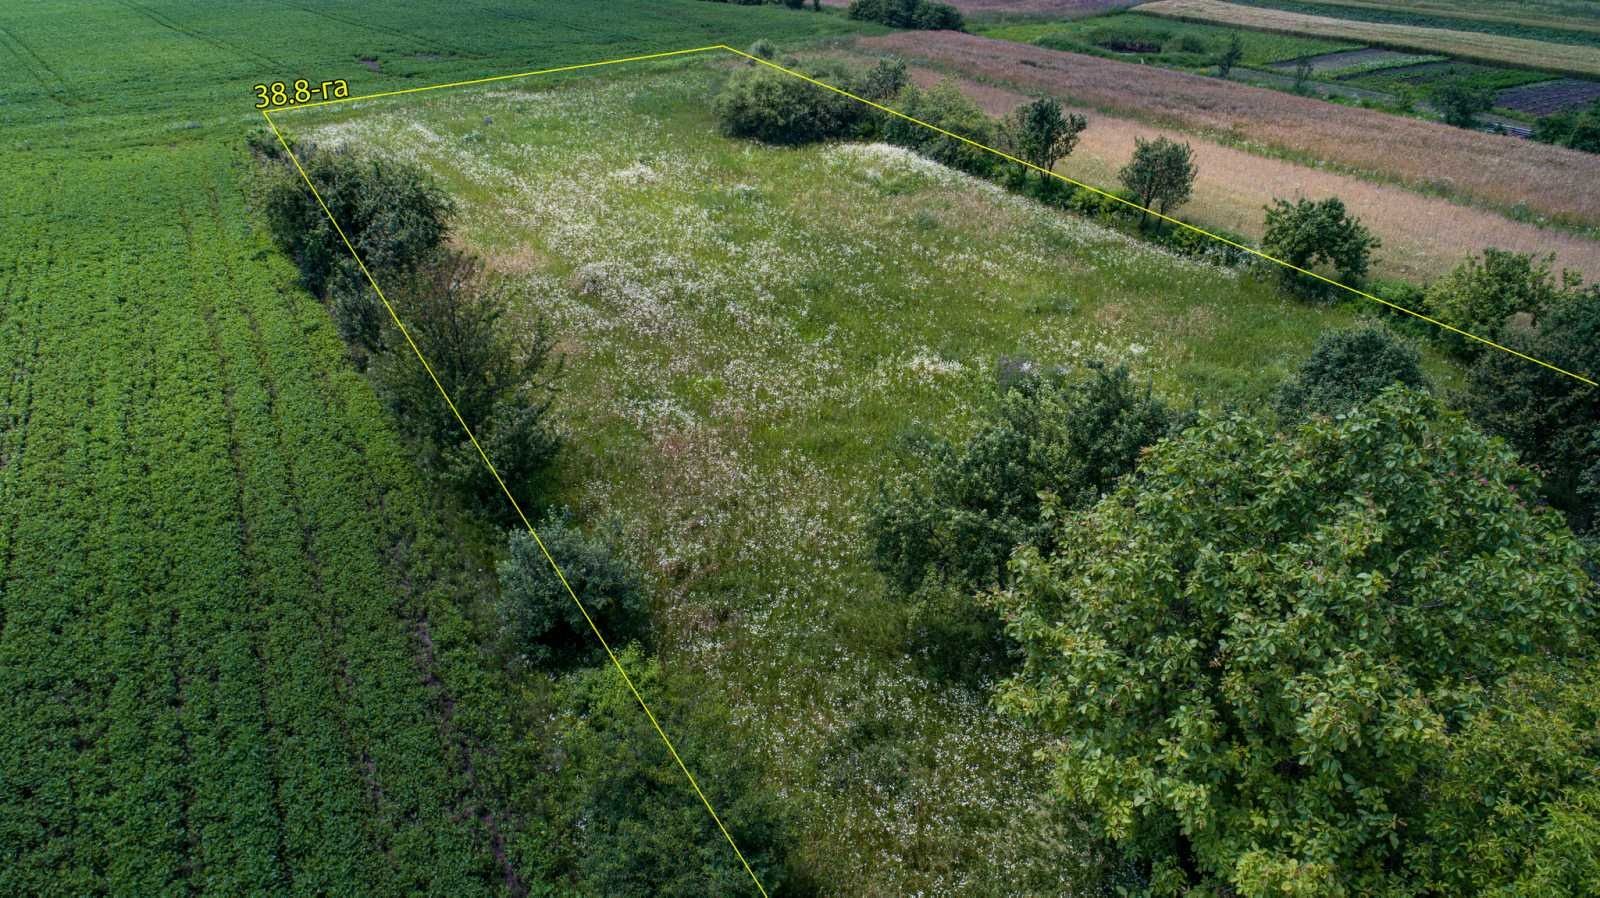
x: 884, y: 80
x: 1230, y: 55
x: 394, y: 215
x: 946, y: 107
x: 945, y: 528
x: 1041, y: 134
x: 635, y: 827
x: 1348, y: 367
x: 1309, y: 235
x: 1253, y: 654
x: 1578, y: 129
x: 907, y: 14
x: 1160, y: 175
x: 539, y: 620
x: 1459, y: 103
x: 761, y: 103
x: 502, y: 383
x: 1550, y: 418
x: 1480, y: 295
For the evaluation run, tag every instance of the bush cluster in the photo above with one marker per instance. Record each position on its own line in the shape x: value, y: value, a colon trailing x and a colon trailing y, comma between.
x: 908, y: 14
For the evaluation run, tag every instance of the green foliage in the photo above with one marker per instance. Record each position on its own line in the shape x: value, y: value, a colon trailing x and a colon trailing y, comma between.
x: 1230, y: 56
x: 884, y: 80
x: 393, y: 214
x: 1551, y: 419
x: 1160, y: 175
x: 1575, y: 128
x: 1302, y: 76
x: 539, y: 621
x: 764, y: 104
x: 944, y: 106
x: 1254, y: 652
x: 1480, y: 295
x: 1347, y: 368
x: 502, y: 384
x: 635, y: 827
x: 945, y: 528
x: 1310, y: 234
x: 1460, y: 103
x: 1040, y: 133
x: 907, y: 14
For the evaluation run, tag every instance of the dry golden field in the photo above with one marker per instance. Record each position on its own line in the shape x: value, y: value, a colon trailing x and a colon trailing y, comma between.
x: 1487, y: 169
x: 1517, y: 51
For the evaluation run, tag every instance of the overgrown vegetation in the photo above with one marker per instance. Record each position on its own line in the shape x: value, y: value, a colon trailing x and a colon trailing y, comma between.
x: 1317, y: 234
x: 908, y: 14
x: 1578, y: 129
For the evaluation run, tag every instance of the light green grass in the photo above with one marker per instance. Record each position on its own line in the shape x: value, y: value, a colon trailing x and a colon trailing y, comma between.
x: 1204, y: 42
x: 748, y: 332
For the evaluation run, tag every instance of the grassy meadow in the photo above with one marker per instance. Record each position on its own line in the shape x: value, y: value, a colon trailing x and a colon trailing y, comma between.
x: 749, y: 334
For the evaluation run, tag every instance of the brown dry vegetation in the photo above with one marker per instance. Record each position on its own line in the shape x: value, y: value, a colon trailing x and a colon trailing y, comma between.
x: 1517, y: 51
x: 1494, y: 170
x: 1423, y: 236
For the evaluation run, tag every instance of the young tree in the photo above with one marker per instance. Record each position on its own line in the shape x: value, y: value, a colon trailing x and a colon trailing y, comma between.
x: 1302, y: 76
x: 1230, y: 55
x: 1481, y: 294
x: 1042, y: 134
x: 1460, y: 103
x: 884, y: 80
x: 1349, y: 367
x: 1161, y: 175
x: 1309, y: 234
x: 1253, y: 654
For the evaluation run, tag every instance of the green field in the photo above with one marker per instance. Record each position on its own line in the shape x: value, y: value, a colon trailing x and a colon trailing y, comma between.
x: 1186, y: 45
x: 1559, y: 21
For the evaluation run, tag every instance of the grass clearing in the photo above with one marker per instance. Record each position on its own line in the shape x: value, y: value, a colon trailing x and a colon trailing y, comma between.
x: 1554, y: 57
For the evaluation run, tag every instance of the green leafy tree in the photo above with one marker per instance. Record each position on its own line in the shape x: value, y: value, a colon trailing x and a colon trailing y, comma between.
x: 1252, y: 655
x: 1349, y: 367
x: 944, y: 106
x: 1230, y: 56
x: 945, y: 527
x: 635, y: 829
x: 1550, y: 418
x: 1481, y: 294
x: 1309, y: 235
x: 884, y: 80
x: 539, y: 621
x: 1041, y: 134
x: 1160, y: 175
x: 761, y: 103
x: 393, y: 213
x: 1460, y: 103
x: 907, y: 14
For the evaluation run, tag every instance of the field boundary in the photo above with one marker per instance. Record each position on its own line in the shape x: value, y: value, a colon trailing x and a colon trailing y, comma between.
x: 517, y: 507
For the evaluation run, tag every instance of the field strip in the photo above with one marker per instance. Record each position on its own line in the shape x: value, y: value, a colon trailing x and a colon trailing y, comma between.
x: 516, y: 506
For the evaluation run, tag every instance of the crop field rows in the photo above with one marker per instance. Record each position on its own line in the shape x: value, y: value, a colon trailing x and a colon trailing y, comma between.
x: 239, y: 696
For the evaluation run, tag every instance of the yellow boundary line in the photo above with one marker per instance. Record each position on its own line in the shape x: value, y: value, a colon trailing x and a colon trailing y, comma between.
x: 266, y: 114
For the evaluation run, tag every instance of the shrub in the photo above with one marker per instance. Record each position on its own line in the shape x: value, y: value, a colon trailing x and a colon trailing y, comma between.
x: 763, y: 49
x: 634, y: 827
x: 944, y: 106
x: 1575, y: 128
x: 394, y: 215
x: 358, y: 316
x: 907, y: 14
x: 884, y: 80
x: 1161, y: 175
x: 1309, y: 234
x: 1347, y: 368
x: 1479, y: 295
x: 539, y: 621
x: 1550, y: 418
x: 945, y: 529
x: 1041, y: 134
x: 1459, y: 102
x: 1230, y: 56
x: 763, y: 104
x: 1254, y: 653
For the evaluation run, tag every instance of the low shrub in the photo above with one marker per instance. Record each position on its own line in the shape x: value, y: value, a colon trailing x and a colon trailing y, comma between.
x: 760, y: 103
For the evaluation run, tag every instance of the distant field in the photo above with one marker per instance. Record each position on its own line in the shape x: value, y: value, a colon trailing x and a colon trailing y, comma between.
x: 1550, y: 96
x: 1054, y: 9
x: 1575, y: 21
x: 1425, y: 75
x: 1566, y: 58
x: 1175, y: 43
x: 1502, y: 172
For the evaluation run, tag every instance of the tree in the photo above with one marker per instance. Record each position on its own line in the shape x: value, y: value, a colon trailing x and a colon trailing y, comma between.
x: 1309, y: 234
x: 1042, y: 134
x: 946, y: 107
x: 539, y: 621
x: 1160, y: 174
x: 764, y: 104
x: 1549, y: 417
x: 1349, y: 367
x: 1460, y: 102
x: 630, y: 823
x: 1575, y: 128
x: 1302, y: 76
x: 1230, y: 55
x: 1480, y: 295
x: 1252, y: 655
x: 884, y: 79
x: 945, y: 527
x: 907, y: 14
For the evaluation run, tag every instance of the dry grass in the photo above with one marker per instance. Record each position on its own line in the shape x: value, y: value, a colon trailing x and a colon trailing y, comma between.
x: 1423, y: 236
x: 1517, y: 51
x: 1488, y: 169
